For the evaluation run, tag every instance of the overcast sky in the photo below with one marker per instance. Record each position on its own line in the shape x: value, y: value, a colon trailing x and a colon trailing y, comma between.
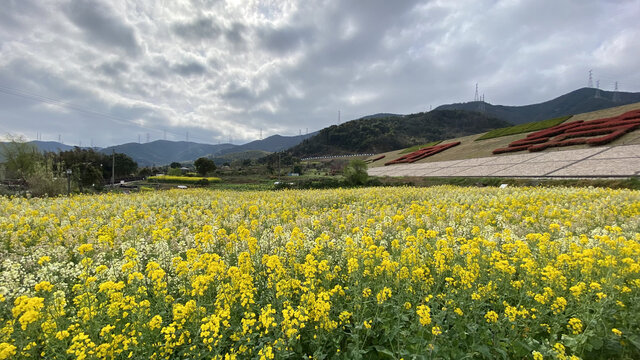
x: 108, y: 72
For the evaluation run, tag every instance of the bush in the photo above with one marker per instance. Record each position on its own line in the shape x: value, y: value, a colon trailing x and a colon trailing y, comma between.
x: 356, y: 173
x: 41, y: 182
x: 202, y: 182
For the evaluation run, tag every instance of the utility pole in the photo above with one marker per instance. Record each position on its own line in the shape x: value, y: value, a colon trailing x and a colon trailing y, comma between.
x: 113, y: 167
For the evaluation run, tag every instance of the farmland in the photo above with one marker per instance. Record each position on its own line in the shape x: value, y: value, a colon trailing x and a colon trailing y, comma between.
x: 388, y: 273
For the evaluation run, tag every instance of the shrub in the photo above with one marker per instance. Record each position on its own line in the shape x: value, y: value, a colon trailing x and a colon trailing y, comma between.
x: 356, y: 173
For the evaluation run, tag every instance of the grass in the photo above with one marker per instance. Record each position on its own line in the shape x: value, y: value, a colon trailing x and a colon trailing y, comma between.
x: 623, y: 183
x: 524, y: 128
x: 181, y: 179
x: 418, y: 147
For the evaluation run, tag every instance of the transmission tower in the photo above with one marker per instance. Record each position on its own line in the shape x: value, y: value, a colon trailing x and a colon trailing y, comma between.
x: 598, y: 89
x: 616, y: 94
x: 476, y: 97
x: 590, y: 83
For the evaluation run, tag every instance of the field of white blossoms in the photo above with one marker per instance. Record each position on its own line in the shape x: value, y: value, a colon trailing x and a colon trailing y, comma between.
x: 379, y: 273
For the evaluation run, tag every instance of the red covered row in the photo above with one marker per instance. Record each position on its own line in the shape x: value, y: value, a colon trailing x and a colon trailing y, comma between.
x: 573, y: 133
x: 422, y: 153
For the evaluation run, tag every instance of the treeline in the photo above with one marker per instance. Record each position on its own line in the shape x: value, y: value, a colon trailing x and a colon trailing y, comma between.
x: 376, y: 135
x: 51, y: 173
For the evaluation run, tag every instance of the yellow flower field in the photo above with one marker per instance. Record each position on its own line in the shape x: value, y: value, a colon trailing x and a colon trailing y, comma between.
x: 380, y: 273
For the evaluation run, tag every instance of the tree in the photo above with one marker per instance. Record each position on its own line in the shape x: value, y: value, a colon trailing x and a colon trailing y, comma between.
x: 25, y: 162
x: 20, y: 158
x: 356, y: 172
x: 175, y: 165
x: 204, y: 165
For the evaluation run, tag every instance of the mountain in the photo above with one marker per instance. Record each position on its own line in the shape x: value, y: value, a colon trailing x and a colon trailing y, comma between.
x: 576, y: 102
x: 44, y: 146
x: 51, y: 146
x: 273, y: 143
x: 379, y: 115
x: 163, y: 152
x: 381, y: 134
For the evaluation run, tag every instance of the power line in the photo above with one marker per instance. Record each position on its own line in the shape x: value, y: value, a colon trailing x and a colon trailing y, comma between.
x: 57, y: 102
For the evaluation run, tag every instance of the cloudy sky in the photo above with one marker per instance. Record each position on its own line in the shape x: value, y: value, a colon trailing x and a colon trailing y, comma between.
x: 105, y: 72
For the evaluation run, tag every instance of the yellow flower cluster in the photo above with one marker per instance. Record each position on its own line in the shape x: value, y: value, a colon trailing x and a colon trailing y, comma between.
x: 394, y: 272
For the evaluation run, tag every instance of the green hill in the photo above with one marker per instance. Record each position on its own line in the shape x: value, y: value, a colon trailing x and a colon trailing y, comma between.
x: 576, y: 102
x: 381, y: 134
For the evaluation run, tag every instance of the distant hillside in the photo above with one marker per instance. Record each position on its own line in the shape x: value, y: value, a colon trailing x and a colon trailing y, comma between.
x: 576, y: 102
x: 242, y: 155
x: 271, y: 144
x: 51, y: 146
x: 376, y: 135
x: 46, y: 146
x: 379, y: 115
x: 163, y: 152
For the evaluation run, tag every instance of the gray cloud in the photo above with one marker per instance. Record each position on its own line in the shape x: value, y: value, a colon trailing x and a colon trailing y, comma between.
x: 220, y: 69
x: 189, y: 68
x: 236, y: 34
x: 114, y: 68
x: 285, y: 39
x: 100, y: 24
x: 198, y: 29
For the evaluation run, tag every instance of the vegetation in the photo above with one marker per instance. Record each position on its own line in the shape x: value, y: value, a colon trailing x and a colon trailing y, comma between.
x: 621, y: 183
x: 49, y: 173
x: 418, y: 147
x: 196, y: 180
x: 356, y: 173
x: 576, y: 102
x: 376, y: 135
x: 204, y: 166
x: 524, y: 128
x: 375, y: 273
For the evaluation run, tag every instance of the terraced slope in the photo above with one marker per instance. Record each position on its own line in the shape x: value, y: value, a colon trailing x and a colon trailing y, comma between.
x: 469, y: 148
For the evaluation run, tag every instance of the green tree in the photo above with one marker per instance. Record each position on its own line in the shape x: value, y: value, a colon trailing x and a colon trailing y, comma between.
x: 175, y: 165
x: 356, y: 173
x: 20, y: 157
x: 204, y: 165
x: 23, y: 161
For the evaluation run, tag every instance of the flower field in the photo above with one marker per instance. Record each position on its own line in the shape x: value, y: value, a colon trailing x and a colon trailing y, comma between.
x: 380, y: 273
